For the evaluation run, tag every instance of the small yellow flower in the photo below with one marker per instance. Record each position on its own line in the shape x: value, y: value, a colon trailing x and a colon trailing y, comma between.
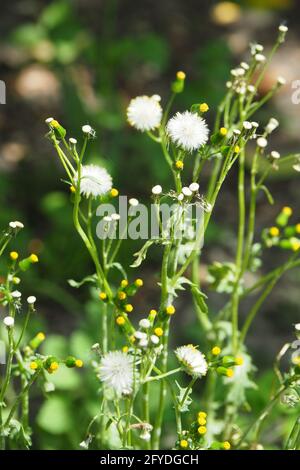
x: 202, y: 430
x: 72, y: 189
x: 203, y: 108
x: 229, y: 373
x: 54, y: 123
x: 120, y: 320
x: 237, y: 149
x: 298, y: 228
x: 226, y: 445
x: 179, y: 165
x: 124, y: 283
x: 16, y: 280
x: 33, y: 365
x: 122, y: 295
x: 14, y: 255
x: 287, y: 211
x: 201, y: 420
x: 159, y: 331
x: 103, y: 296
x: 132, y: 339
x: 296, y: 360
x: 79, y: 363
x: 274, y: 231
x: 202, y: 414
x: 295, y: 245
x: 180, y: 75
x: 41, y: 336
x: 170, y: 310
x: 223, y: 131
x: 125, y: 349
x: 138, y: 282
x: 53, y: 366
x: 216, y: 351
x: 184, y: 443
x: 114, y: 192
x: 239, y: 361
x: 33, y: 258
x: 128, y: 308
x: 153, y: 312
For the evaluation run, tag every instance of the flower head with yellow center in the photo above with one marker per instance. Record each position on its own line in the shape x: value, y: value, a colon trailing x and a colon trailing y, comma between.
x: 192, y: 360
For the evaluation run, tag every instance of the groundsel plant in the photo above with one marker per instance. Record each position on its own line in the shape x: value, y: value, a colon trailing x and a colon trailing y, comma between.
x: 130, y: 358
x: 22, y: 363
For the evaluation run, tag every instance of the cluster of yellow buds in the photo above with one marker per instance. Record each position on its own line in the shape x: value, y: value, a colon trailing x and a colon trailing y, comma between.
x: 283, y: 235
x: 224, y: 365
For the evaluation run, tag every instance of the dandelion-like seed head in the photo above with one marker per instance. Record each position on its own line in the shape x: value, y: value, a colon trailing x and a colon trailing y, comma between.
x: 116, y: 371
x: 94, y: 181
x: 144, y: 112
x: 188, y: 130
x: 193, y: 361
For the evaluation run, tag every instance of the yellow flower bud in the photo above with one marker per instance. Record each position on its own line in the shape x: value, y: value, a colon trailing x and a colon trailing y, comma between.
x: 53, y: 366
x: 33, y: 258
x: 287, y: 211
x: 203, y: 107
x: 202, y: 414
x: 229, y: 373
x: 201, y: 420
x: 125, y: 349
x: 216, y: 351
x: 239, y: 361
x: 184, y: 443
x: 237, y: 149
x: 180, y: 75
x: 274, y: 231
x: 41, y: 336
x: 158, y: 331
x: 103, y: 296
x: 128, y: 308
x: 124, y: 283
x: 122, y: 295
x: 114, y: 192
x: 33, y: 365
x: 72, y: 189
x: 79, y: 363
x: 202, y: 430
x: 170, y: 310
x: 54, y: 123
x: 179, y: 165
x: 120, y: 320
x: 138, y: 282
x: 223, y: 131
x: 226, y: 445
x: 14, y: 255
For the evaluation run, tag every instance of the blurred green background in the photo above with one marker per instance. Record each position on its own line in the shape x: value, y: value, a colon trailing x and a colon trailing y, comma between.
x: 81, y: 61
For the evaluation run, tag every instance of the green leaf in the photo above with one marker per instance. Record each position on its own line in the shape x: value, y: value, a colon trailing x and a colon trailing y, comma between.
x: 141, y: 255
x: 55, y: 417
x: 120, y: 268
x: 200, y: 298
x: 172, y: 288
x: 268, y: 194
x: 182, y: 390
x: 91, y: 279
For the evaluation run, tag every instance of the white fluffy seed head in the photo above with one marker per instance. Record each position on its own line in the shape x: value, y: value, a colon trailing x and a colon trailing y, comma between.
x: 31, y: 300
x: 94, y: 181
x: 16, y: 224
x: 144, y: 323
x: 188, y: 131
x: 88, y: 130
x: 154, y: 339
x: 251, y: 88
x: 156, y: 190
x: 143, y: 343
x: 260, y: 58
x: 247, y: 125
x: 192, y: 360
x: 262, y: 142
x: 72, y: 141
x: 283, y: 28
x: 140, y: 335
x: 186, y: 191
x: 16, y: 294
x: 9, y: 322
x: 272, y: 125
x: 281, y: 81
x: 180, y: 197
x: 194, y: 187
x: 116, y: 371
x: 144, y: 112
x: 275, y: 155
x: 133, y: 202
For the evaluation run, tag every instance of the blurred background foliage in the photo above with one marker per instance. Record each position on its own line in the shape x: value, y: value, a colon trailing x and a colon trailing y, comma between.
x: 81, y: 61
